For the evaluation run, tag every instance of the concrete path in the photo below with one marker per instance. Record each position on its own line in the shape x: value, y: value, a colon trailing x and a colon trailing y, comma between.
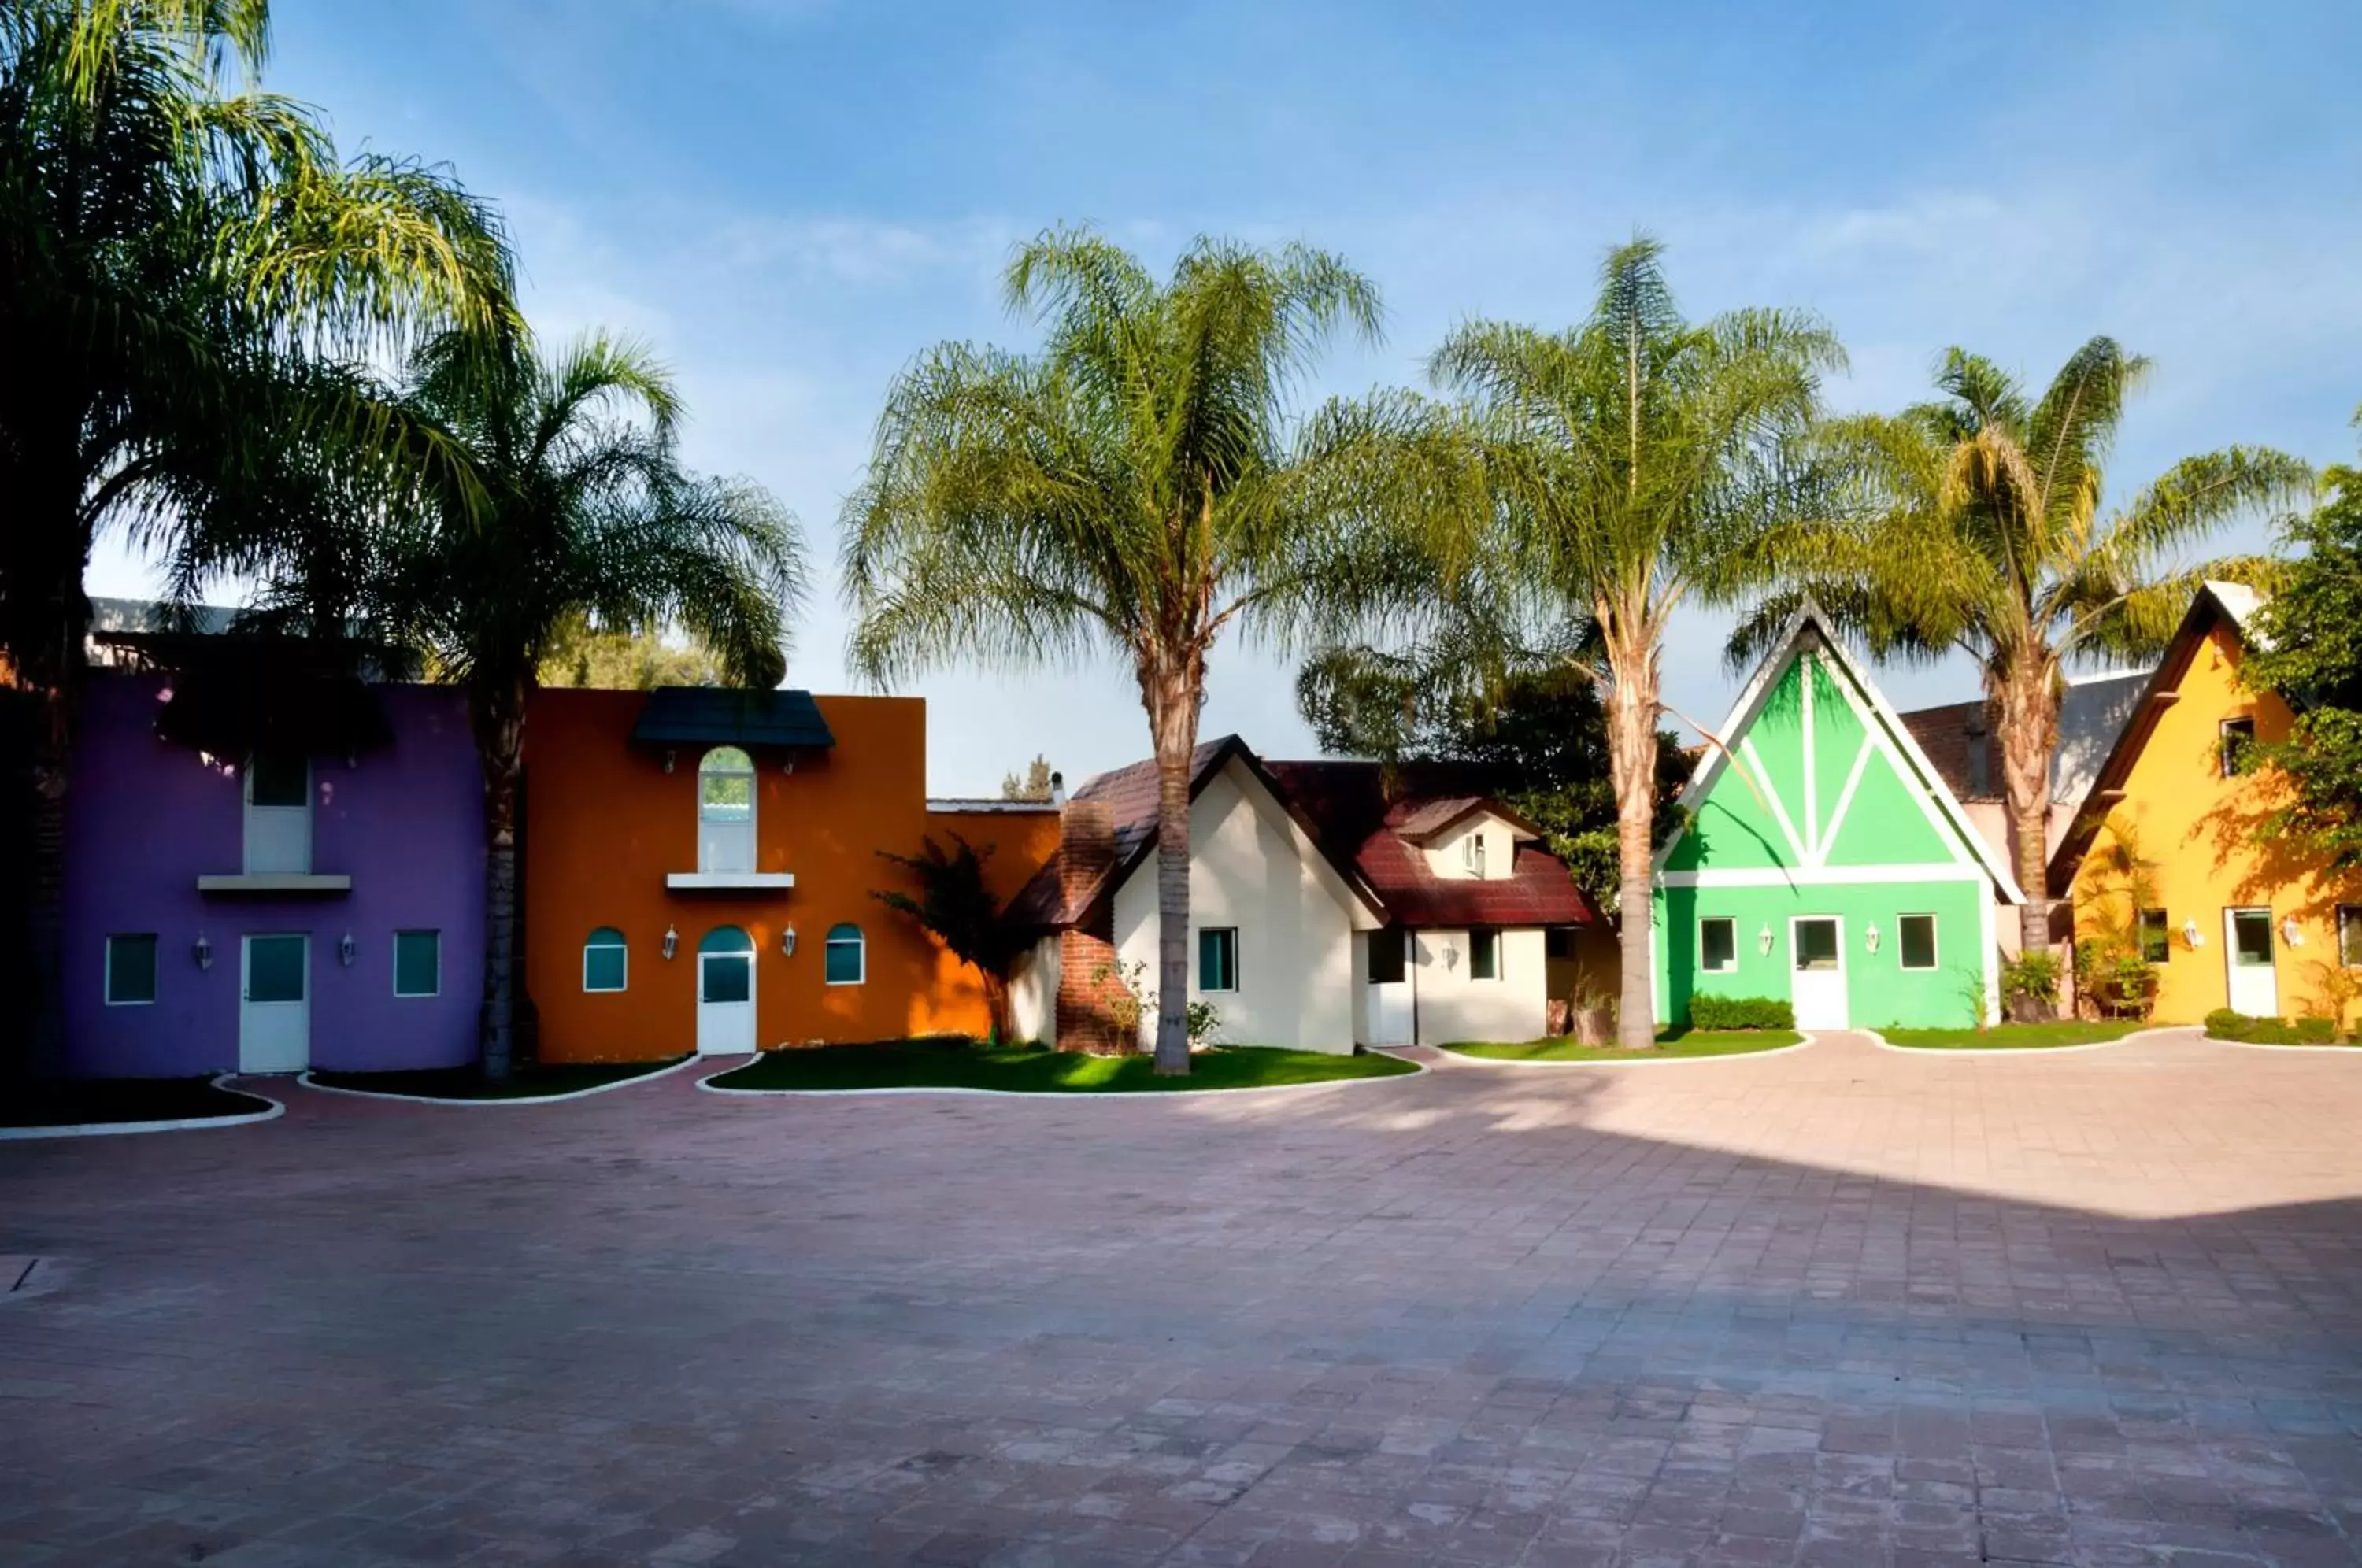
x: 1841, y: 1305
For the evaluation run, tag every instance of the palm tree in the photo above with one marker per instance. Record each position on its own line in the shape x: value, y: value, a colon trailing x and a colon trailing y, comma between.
x: 566, y: 500
x: 1137, y: 487
x: 1633, y: 462
x: 1984, y: 534
x: 169, y: 245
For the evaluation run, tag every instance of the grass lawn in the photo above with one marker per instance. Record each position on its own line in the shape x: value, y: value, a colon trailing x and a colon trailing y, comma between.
x: 82, y: 1100
x: 1036, y: 1069
x: 2011, y: 1036
x: 1672, y: 1044
x: 468, y: 1082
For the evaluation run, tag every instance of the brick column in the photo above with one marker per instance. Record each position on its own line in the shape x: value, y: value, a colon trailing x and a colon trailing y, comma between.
x: 1091, y: 994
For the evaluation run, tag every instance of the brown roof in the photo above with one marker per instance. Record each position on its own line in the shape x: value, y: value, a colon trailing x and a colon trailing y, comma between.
x: 1948, y: 735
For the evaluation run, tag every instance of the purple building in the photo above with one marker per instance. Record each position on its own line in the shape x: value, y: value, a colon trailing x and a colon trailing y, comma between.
x: 295, y: 878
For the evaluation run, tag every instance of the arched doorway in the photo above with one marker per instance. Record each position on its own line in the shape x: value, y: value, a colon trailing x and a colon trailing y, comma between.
x: 726, y: 992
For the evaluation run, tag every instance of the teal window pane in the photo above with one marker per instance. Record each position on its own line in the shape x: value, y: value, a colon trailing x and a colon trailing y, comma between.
x: 1218, y: 958
x: 727, y: 939
x: 274, y: 969
x: 604, y: 961
x: 1917, y: 936
x: 278, y: 781
x: 727, y: 977
x: 843, y: 960
x: 130, y: 969
x: 417, y: 963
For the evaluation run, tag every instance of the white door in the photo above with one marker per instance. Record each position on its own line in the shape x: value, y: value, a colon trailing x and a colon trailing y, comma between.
x: 2247, y: 949
x: 725, y: 993
x: 1816, y: 980
x: 1389, y: 997
x: 274, y: 1009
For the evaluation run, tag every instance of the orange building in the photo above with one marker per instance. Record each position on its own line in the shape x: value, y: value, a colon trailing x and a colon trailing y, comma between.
x: 2165, y: 852
x: 698, y: 865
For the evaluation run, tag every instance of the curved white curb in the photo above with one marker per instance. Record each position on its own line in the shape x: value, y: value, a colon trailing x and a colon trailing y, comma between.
x: 2322, y: 1048
x: 1458, y: 1057
x: 1883, y: 1044
x: 305, y: 1079
x: 708, y: 1084
x: 181, y: 1124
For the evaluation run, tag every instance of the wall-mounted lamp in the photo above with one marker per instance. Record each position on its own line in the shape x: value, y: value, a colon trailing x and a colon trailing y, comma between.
x: 668, y: 759
x: 671, y: 941
x: 203, y: 951
x: 1869, y: 936
x: 344, y: 950
x: 1451, y: 956
x: 788, y: 941
x: 2191, y: 935
x: 2292, y: 932
x: 1763, y: 941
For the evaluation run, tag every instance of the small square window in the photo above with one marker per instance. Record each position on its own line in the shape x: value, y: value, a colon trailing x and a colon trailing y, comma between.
x: 131, y: 970
x: 2156, y: 940
x: 845, y: 957
x: 277, y: 779
x: 1914, y: 940
x: 1484, y: 954
x: 2349, y: 936
x: 1218, y: 958
x: 1472, y: 852
x: 417, y: 963
x: 2239, y: 734
x: 1718, y: 944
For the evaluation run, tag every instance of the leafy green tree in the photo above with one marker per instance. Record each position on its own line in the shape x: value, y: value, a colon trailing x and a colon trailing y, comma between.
x: 580, y: 654
x: 1981, y: 531
x: 2308, y: 650
x: 1034, y: 786
x: 1632, y: 463
x: 177, y: 252
x: 955, y: 904
x: 1534, y: 735
x: 1137, y: 487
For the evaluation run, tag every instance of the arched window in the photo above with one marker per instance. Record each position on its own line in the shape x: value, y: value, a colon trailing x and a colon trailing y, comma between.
x: 848, y: 956
x: 605, y: 962
x: 726, y: 811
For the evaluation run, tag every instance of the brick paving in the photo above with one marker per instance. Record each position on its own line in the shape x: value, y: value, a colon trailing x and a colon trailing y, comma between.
x: 1836, y: 1307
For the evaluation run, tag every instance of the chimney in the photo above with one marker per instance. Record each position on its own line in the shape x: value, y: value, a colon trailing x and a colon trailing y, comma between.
x: 1086, y: 849
x: 1057, y: 788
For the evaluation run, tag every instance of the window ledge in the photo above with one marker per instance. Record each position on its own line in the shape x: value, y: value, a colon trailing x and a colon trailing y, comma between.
x: 298, y: 882
x: 730, y: 881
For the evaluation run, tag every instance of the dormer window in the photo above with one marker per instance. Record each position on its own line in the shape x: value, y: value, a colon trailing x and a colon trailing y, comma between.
x: 726, y: 811
x: 1472, y: 854
x: 278, y: 814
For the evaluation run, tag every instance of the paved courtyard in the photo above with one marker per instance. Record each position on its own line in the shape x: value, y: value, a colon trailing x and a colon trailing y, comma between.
x: 1836, y: 1306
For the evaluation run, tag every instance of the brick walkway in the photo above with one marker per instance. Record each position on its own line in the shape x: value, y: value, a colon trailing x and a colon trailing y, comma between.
x: 1841, y: 1306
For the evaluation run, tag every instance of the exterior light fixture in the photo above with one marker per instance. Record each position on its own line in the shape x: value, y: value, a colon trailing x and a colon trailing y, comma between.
x: 203, y: 951
x: 1763, y: 940
x: 668, y: 759
x: 2292, y: 932
x: 2190, y: 934
x: 344, y: 950
x: 1869, y: 936
x: 1451, y: 956
x: 671, y: 941
x: 788, y: 941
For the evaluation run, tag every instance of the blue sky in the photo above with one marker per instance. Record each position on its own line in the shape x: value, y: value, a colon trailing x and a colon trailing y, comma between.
x: 789, y: 198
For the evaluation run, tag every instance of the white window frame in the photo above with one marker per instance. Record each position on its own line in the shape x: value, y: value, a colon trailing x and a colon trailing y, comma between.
x: 1935, y: 944
x: 1500, y: 956
x: 1472, y: 852
x: 1201, y: 988
x: 624, y: 948
x: 155, y: 969
x: 1706, y: 969
x: 434, y: 931
x: 858, y: 942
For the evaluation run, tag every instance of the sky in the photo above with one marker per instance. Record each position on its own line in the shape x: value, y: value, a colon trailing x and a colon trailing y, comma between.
x: 790, y: 199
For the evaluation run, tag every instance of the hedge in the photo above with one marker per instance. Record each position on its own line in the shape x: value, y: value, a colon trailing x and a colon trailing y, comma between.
x: 1741, y: 1013
x: 2224, y: 1025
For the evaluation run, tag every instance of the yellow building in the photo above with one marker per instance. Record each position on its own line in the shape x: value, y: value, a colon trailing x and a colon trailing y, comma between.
x: 2165, y: 853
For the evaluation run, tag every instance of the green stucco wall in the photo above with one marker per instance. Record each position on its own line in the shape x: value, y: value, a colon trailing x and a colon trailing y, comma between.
x: 1879, y: 991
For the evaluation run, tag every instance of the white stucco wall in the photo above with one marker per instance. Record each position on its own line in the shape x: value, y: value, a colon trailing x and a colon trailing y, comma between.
x: 1033, y: 991
x: 1252, y: 868
x: 1452, y: 1007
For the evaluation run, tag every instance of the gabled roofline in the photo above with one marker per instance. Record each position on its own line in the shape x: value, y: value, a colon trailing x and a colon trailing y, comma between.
x: 2207, y: 607
x: 1479, y: 806
x: 1751, y: 698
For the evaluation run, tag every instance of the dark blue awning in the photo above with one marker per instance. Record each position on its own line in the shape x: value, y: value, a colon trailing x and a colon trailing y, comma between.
x: 713, y: 715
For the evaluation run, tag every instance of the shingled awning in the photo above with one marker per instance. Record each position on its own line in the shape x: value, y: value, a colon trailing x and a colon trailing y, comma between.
x: 714, y: 715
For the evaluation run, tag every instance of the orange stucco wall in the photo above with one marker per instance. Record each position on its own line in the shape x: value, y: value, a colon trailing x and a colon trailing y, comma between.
x: 2196, y: 832
x: 605, y: 823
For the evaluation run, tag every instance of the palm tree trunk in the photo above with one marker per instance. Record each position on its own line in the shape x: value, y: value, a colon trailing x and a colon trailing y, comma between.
x: 2027, y: 720
x: 1632, y: 765
x: 499, y: 716
x: 1173, y: 718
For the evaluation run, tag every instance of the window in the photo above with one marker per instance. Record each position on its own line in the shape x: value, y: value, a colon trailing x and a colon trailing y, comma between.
x: 278, y: 814
x: 1718, y: 944
x: 2239, y: 734
x: 1472, y: 852
x: 604, y: 963
x: 278, y: 781
x: 726, y: 811
x: 1558, y: 941
x: 2155, y: 943
x: 1816, y: 945
x: 1484, y: 954
x: 1218, y: 958
x: 846, y: 961
x: 417, y: 963
x: 131, y: 970
x: 725, y: 965
x: 2349, y: 936
x: 2251, y: 938
x: 1914, y: 940
x: 1386, y: 948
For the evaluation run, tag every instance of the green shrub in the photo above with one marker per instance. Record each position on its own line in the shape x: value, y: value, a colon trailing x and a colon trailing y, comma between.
x: 2224, y: 1025
x: 1741, y: 1013
x: 2314, y: 1030
x: 2033, y: 978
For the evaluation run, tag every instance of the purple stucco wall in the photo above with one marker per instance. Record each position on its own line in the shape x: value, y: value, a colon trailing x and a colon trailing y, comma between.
x: 146, y: 818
